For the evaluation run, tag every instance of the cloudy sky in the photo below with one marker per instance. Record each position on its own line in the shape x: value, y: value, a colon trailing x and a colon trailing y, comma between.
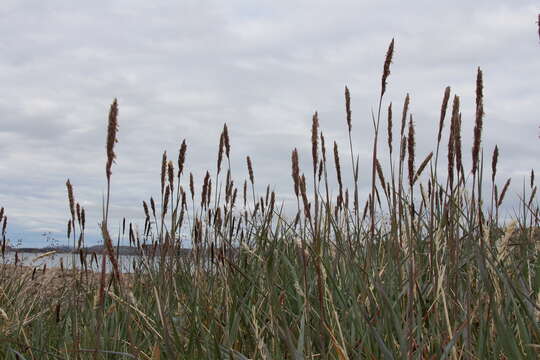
x: 180, y: 69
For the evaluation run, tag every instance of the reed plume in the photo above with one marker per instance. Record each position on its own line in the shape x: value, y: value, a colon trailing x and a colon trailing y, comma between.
x: 503, y: 192
x: 111, y: 137
x: 295, y: 172
x: 250, y: 170
x: 444, y: 106
x: 314, y: 139
x: 170, y: 173
x: 348, y: 108
x: 410, y: 146
x: 479, y: 120
x: 404, y: 114
x: 182, y: 157
x: 163, y: 171
x: 338, y: 168
x: 226, y: 141
x: 494, y: 160
x: 386, y: 68
x: 220, y: 152
x: 71, y: 199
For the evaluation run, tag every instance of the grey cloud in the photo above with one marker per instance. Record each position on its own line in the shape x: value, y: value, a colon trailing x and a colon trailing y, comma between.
x: 182, y: 69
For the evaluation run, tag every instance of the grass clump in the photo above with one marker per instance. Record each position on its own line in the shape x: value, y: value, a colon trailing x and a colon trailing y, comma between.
x: 423, y: 269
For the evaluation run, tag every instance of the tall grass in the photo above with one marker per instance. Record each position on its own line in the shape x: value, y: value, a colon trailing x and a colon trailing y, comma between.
x: 423, y: 269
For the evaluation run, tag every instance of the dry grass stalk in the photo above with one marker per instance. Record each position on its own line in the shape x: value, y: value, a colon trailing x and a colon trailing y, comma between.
x: 111, y: 137
x: 458, y: 147
x: 532, y: 181
x: 479, y: 120
x: 389, y: 127
x: 386, y: 68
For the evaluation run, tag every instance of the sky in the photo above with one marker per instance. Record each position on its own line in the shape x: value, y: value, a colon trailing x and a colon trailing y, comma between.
x: 181, y: 69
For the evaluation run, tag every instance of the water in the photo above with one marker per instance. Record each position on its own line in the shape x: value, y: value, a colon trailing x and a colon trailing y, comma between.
x: 127, y: 263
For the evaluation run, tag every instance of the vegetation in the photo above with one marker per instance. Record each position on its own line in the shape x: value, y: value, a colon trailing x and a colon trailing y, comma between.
x: 424, y: 269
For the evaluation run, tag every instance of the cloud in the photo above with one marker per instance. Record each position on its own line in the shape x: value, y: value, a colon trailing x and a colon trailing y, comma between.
x: 182, y: 69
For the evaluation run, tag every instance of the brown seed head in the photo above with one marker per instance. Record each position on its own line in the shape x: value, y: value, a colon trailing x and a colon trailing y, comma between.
x: 220, y: 152
x: 479, y: 120
x: 226, y: 140
x: 71, y: 199
x: 163, y: 171
x: 410, y: 146
x: 348, y: 108
x: 314, y: 139
x: 386, y: 68
x: 503, y: 192
x: 191, y: 186
x: 494, y: 160
x: 170, y: 172
x: 295, y: 172
x: 182, y: 157
x: 444, y: 106
x: 111, y: 137
x: 338, y: 167
x: 250, y: 170
x: 404, y: 115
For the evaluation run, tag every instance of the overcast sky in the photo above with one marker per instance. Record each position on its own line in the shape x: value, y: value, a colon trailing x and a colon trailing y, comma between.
x: 180, y: 69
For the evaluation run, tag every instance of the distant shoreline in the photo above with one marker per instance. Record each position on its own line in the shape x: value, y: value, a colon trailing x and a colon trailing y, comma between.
x: 98, y: 249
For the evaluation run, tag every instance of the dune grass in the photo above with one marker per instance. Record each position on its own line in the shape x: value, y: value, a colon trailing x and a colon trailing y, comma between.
x: 424, y: 268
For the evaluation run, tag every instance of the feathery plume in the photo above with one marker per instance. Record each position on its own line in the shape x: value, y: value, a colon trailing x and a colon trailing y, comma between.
x: 170, y: 172
x: 226, y: 141
x: 494, y: 160
x: 479, y: 120
x: 404, y: 115
x: 163, y: 171
x: 220, y: 152
x: 338, y: 167
x: 250, y: 170
x: 295, y: 172
x: 71, y: 199
x: 182, y: 157
x: 111, y: 137
x: 314, y: 139
x: 410, y: 146
x: 386, y: 69
x: 444, y: 106
x: 348, y: 108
